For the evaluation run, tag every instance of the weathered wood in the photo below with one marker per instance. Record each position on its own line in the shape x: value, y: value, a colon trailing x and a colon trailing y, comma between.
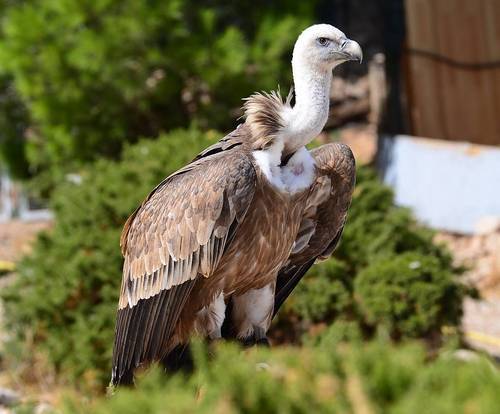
x: 448, y: 99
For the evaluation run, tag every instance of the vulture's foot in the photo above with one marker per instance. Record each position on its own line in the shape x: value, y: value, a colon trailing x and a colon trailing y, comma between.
x: 258, y: 338
x: 263, y: 342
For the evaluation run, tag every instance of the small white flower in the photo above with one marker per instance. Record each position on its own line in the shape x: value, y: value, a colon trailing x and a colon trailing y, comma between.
x: 414, y: 265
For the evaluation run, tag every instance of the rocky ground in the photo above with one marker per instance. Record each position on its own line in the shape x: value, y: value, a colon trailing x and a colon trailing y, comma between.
x: 16, y: 237
x: 481, y: 254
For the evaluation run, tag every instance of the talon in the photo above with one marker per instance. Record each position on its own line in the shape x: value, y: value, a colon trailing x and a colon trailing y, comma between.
x: 263, y: 342
x: 248, y: 342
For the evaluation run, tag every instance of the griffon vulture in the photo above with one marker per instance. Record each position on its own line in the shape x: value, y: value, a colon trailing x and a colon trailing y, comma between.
x: 242, y: 223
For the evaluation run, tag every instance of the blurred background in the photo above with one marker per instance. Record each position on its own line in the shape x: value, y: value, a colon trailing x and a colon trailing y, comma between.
x: 100, y: 100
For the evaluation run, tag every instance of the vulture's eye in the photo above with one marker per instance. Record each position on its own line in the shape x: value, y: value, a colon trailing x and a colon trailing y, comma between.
x: 323, y: 41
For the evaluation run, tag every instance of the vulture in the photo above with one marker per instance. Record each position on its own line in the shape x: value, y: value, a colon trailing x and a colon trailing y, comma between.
x: 217, y: 247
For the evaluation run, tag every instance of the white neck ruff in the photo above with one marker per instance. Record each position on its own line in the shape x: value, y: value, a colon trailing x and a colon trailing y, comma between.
x: 302, y: 123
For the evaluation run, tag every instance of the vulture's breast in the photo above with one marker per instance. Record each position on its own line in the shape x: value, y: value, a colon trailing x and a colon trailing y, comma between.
x: 264, y: 239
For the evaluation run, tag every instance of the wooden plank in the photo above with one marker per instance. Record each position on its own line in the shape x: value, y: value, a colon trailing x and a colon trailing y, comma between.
x: 449, y: 80
x: 488, y: 115
x: 491, y: 18
x: 448, y: 101
x: 425, y: 99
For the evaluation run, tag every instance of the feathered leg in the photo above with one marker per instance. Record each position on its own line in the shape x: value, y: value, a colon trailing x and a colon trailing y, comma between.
x: 251, y: 315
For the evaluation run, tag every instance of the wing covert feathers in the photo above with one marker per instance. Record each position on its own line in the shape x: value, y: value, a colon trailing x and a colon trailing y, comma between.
x: 179, y: 233
x: 181, y: 229
x: 324, y: 217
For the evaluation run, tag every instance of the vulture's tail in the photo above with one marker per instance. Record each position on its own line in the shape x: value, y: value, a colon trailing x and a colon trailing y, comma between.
x: 288, y: 278
x: 143, y: 332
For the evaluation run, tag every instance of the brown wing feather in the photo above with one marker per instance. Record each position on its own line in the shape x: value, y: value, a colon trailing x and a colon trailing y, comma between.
x: 178, y: 233
x: 324, y: 217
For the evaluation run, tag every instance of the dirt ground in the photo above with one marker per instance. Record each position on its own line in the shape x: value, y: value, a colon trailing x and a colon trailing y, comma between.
x: 16, y: 237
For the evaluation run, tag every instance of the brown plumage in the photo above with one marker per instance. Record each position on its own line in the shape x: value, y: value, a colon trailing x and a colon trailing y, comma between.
x: 263, y: 116
x: 240, y: 224
x: 217, y: 219
x: 323, y: 219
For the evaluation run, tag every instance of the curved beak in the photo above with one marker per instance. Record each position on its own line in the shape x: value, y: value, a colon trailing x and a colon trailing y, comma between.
x: 352, y: 51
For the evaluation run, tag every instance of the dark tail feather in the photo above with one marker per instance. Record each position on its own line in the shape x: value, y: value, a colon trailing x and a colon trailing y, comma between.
x: 288, y: 278
x: 143, y: 331
x: 126, y: 378
x: 180, y: 359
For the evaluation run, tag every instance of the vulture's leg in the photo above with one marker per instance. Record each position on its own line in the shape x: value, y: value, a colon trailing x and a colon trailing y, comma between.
x: 209, y: 320
x: 208, y: 324
x: 252, y: 314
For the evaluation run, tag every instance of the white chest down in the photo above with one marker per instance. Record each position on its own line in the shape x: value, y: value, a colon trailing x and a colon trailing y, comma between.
x: 296, y: 176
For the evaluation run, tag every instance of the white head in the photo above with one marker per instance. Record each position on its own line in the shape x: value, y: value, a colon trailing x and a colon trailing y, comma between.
x: 318, y: 50
x: 322, y: 47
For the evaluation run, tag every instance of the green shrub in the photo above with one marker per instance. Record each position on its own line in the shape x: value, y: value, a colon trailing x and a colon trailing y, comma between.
x: 232, y: 381
x: 324, y: 294
x: 410, y: 295
x: 450, y: 387
x: 372, y: 378
x: 67, y: 289
x: 378, y: 228
x: 94, y: 75
x: 379, y: 243
x: 66, y: 293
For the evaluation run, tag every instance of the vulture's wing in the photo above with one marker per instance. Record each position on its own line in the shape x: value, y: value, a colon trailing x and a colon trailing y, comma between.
x: 324, y: 218
x: 179, y: 232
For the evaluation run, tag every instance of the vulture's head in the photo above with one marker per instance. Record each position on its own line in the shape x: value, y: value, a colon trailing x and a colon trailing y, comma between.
x: 322, y: 47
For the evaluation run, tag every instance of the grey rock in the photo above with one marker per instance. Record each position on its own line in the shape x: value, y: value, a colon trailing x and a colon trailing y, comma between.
x: 8, y: 398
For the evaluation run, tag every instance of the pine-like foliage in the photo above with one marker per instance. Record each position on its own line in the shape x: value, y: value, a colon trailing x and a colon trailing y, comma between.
x: 93, y: 75
x: 65, y: 296
x: 330, y: 378
x: 387, y: 272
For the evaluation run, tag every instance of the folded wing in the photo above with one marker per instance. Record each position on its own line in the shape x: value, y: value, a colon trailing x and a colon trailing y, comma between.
x: 179, y: 233
x: 324, y: 217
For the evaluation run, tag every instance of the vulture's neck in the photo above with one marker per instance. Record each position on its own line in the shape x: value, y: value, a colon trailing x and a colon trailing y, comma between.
x: 310, y: 112
x: 286, y: 163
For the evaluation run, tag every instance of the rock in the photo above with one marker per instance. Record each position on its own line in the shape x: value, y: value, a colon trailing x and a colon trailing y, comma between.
x: 465, y: 355
x: 487, y: 225
x: 8, y: 398
x: 43, y: 408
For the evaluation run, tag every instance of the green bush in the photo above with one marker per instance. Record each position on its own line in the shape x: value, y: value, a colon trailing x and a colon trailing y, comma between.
x: 372, y: 378
x: 373, y: 265
x: 96, y: 74
x: 66, y: 293
x: 410, y: 295
x: 324, y: 294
